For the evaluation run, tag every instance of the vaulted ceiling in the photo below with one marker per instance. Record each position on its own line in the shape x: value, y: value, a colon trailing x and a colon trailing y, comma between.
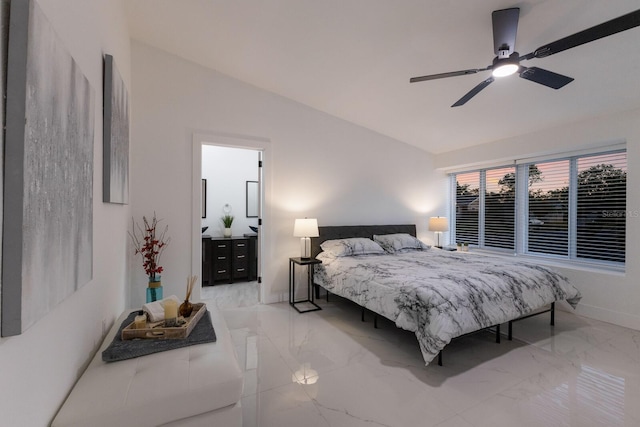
x: 353, y: 59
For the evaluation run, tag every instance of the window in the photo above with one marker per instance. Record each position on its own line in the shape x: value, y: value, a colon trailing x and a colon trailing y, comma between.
x: 601, y: 207
x: 548, y: 200
x: 485, y: 208
x: 569, y: 208
x: 467, y: 207
x: 499, y: 208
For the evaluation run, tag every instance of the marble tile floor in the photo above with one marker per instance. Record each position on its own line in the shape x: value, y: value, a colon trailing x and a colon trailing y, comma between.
x: 327, y: 368
x: 240, y: 294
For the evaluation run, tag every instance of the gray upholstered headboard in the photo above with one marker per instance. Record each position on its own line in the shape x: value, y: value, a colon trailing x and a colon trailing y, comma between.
x: 345, y: 231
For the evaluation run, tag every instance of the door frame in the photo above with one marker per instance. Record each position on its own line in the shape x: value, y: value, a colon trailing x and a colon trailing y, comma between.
x: 263, y: 146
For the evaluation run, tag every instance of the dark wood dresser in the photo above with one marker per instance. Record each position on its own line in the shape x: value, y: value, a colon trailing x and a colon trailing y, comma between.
x: 228, y: 259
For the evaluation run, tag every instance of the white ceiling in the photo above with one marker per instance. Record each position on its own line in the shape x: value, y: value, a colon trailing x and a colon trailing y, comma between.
x: 353, y: 59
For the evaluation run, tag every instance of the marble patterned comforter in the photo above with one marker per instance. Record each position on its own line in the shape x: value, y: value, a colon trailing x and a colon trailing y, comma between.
x: 440, y: 295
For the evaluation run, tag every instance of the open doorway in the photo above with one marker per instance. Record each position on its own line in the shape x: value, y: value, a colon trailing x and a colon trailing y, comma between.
x: 231, y: 185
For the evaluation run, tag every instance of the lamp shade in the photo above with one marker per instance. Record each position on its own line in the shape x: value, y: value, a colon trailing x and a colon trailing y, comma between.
x: 307, y: 227
x: 438, y: 223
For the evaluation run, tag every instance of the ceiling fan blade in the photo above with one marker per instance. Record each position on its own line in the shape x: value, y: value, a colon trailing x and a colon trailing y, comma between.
x: 505, y: 27
x: 616, y: 25
x: 473, y: 92
x: 545, y: 77
x: 445, y: 75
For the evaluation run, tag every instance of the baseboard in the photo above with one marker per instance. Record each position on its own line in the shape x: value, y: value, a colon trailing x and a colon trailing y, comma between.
x: 275, y: 298
x: 617, y: 318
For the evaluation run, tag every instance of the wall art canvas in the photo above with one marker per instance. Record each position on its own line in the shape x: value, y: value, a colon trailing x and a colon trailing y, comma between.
x: 48, y: 197
x: 4, y: 37
x: 115, y: 180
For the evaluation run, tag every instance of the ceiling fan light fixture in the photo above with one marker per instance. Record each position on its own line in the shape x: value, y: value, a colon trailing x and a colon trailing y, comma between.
x: 505, y: 70
x: 503, y: 67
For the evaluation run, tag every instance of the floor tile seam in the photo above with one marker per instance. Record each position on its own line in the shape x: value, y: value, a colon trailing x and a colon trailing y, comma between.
x: 275, y: 387
x: 448, y: 419
x: 280, y: 356
x: 319, y: 407
x: 490, y: 396
x: 323, y: 371
x: 284, y: 359
x: 250, y: 394
x: 436, y: 389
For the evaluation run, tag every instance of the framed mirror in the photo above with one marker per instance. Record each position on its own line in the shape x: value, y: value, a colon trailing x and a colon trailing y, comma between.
x: 204, y: 198
x: 253, y: 199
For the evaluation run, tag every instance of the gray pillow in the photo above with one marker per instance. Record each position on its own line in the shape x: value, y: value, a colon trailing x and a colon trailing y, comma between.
x: 351, y: 246
x: 393, y: 243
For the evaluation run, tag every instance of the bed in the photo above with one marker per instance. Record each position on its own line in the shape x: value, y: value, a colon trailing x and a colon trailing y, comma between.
x: 437, y: 294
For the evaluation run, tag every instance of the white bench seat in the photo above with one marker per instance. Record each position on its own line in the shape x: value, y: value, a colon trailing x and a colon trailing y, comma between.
x: 199, y: 385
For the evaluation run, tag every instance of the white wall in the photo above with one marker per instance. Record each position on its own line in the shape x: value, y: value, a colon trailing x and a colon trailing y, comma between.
x: 611, y: 297
x: 317, y: 165
x: 39, y: 367
x: 227, y: 170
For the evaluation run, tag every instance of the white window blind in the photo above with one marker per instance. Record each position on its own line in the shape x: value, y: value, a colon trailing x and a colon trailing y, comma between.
x: 499, y: 208
x: 548, y: 222
x: 467, y: 207
x: 570, y: 208
x: 601, y: 207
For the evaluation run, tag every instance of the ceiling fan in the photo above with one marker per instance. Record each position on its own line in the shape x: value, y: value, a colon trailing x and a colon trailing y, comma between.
x: 507, y: 61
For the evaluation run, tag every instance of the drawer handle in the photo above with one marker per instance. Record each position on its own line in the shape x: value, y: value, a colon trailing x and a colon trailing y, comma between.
x: 222, y: 246
x: 241, y: 245
x: 240, y: 269
x: 222, y: 257
x: 222, y: 271
x: 240, y: 256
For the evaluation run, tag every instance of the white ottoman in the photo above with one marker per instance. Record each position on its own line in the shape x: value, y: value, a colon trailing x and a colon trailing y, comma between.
x: 200, y: 385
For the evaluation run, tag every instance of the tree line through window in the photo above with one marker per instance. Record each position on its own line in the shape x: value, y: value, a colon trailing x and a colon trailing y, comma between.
x: 574, y: 207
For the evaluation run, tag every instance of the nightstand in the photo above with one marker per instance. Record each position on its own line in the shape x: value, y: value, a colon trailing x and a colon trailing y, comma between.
x: 310, y: 263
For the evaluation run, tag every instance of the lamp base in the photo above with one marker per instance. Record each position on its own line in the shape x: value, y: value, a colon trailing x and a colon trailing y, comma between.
x: 305, y: 248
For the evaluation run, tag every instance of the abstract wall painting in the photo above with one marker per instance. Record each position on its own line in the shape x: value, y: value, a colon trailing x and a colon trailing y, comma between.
x: 4, y: 37
x: 48, y: 197
x: 115, y: 180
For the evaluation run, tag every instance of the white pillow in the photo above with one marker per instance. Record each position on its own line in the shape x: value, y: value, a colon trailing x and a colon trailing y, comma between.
x: 351, y: 246
x: 393, y: 243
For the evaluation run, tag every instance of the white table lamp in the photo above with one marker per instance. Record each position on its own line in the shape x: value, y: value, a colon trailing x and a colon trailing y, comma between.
x: 438, y: 224
x: 305, y: 229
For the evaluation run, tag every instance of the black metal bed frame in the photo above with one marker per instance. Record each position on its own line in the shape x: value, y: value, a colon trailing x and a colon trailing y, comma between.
x: 341, y: 232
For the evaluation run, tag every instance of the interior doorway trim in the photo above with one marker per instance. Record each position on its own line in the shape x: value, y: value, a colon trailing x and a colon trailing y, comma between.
x: 233, y: 141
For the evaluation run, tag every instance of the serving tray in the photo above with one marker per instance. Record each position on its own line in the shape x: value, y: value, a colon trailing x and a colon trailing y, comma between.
x: 157, y: 330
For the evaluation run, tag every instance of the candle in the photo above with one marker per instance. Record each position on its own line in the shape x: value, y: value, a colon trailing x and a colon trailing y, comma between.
x: 140, y: 322
x: 170, y: 312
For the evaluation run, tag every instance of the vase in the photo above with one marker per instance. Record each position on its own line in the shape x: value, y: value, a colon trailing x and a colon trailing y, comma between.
x: 154, y: 290
x: 185, y: 308
x: 227, y: 232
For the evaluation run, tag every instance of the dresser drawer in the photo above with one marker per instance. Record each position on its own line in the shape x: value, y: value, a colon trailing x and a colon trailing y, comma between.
x: 221, y: 272
x: 240, y: 247
x: 240, y: 258
x: 219, y: 246
x: 240, y: 270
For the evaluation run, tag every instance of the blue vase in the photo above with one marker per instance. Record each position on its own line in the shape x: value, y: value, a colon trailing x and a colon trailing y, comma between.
x: 154, y: 290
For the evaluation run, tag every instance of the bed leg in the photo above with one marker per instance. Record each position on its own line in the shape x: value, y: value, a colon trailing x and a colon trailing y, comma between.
x: 362, y: 315
x: 375, y: 321
x: 440, y: 358
x: 317, y: 288
x: 497, y: 334
x: 327, y: 295
x: 553, y: 313
x: 510, y: 336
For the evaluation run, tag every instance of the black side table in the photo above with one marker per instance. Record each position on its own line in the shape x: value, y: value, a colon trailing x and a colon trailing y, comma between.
x: 309, y: 262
